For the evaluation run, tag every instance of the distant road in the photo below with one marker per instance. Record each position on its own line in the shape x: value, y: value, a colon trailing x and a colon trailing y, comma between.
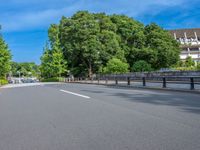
x: 89, y: 117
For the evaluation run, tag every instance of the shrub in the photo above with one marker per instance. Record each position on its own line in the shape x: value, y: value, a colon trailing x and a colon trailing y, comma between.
x: 3, y: 81
x: 198, y: 66
x: 115, y: 65
x: 192, y: 68
x: 54, y: 79
x: 141, y: 66
x: 189, y: 62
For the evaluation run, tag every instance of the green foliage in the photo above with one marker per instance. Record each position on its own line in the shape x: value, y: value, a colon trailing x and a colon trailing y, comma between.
x: 5, y: 58
x: 192, y: 68
x: 89, y: 41
x: 189, y: 62
x: 198, y: 66
x: 54, y: 79
x: 180, y: 63
x: 165, y: 49
x: 141, y: 66
x: 26, y: 69
x: 53, y: 63
x: 115, y: 65
x: 3, y: 82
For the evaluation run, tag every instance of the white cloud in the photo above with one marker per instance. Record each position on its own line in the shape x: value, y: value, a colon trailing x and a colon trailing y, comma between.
x: 43, y: 16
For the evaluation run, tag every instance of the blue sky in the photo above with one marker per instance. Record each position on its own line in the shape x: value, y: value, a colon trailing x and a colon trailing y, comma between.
x: 25, y: 22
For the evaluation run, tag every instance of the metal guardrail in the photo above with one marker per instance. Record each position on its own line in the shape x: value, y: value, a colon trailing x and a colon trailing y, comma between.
x: 128, y: 80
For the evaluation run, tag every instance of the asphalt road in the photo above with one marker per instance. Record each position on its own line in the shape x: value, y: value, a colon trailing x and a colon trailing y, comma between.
x: 91, y: 117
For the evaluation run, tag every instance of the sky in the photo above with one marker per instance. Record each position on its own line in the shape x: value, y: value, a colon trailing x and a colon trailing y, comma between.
x: 25, y: 22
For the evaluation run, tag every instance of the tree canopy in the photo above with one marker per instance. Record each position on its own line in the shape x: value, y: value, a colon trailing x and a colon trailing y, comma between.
x: 89, y: 41
x: 25, y: 69
x: 53, y: 63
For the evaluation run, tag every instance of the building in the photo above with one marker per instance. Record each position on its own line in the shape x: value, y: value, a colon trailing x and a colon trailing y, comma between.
x: 190, y: 42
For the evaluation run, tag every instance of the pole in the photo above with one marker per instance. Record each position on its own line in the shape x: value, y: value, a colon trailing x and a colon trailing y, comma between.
x: 192, y: 83
x: 164, y: 83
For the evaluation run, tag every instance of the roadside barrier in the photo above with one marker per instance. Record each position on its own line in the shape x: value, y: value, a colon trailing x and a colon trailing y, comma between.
x: 192, y: 83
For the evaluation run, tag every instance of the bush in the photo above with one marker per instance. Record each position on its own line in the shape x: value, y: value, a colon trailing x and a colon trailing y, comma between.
x: 141, y: 66
x: 116, y: 66
x: 54, y: 79
x: 3, y: 81
x: 198, y: 66
x: 192, y: 68
x: 189, y: 62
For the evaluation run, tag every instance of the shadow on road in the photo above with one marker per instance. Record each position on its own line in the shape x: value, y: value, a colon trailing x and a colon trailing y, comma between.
x: 185, y: 101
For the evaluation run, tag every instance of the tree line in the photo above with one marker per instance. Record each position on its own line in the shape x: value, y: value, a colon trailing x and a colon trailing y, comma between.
x: 24, y: 69
x: 8, y: 67
x: 89, y: 43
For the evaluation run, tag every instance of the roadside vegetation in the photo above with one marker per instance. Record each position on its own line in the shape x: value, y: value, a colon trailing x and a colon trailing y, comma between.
x: 9, y: 68
x: 52, y: 79
x: 25, y: 69
x: 5, y: 60
x: 53, y: 63
x: 86, y: 44
x: 91, y: 43
x: 187, y: 65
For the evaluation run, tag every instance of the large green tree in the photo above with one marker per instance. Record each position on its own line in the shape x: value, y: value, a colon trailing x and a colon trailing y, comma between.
x: 53, y: 63
x: 45, y: 67
x: 5, y: 58
x: 89, y: 41
x: 165, y: 49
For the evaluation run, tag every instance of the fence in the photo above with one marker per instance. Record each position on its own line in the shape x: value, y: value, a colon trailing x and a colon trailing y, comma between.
x: 174, y: 82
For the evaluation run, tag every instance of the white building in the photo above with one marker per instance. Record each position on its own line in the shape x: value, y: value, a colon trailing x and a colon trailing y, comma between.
x: 190, y: 42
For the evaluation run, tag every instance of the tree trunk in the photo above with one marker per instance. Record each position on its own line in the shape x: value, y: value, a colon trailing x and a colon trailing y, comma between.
x: 90, y: 71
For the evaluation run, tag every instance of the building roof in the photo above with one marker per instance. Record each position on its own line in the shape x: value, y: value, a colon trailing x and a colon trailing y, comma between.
x: 190, y: 33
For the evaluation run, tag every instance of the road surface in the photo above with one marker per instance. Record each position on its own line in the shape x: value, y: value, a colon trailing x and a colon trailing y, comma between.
x: 91, y: 117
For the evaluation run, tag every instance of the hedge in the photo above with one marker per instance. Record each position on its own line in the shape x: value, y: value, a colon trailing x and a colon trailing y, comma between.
x: 55, y: 79
x: 3, y: 81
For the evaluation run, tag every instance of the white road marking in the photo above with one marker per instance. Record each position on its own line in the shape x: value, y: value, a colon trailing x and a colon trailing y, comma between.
x: 74, y: 93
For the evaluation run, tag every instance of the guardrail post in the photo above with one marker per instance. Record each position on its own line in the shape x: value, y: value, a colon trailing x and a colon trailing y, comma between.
x: 98, y: 80
x: 128, y: 81
x: 91, y: 80
x: 106, y: 81
x: 191, y: 83
x: 116, y: 81
x: 164, y: 83
x: 144, y: 81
